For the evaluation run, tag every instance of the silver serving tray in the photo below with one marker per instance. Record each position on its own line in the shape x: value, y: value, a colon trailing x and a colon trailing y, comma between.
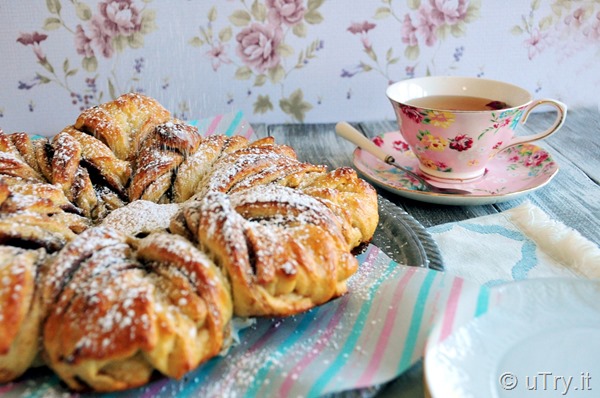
x: 404, y: 239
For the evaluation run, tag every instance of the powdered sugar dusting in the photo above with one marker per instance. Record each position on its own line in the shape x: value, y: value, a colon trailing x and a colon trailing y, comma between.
x: 141, y: 217
x: 17, y: 268
x: 69, y: 258
x: 292, y: 205
x: 222, y: 222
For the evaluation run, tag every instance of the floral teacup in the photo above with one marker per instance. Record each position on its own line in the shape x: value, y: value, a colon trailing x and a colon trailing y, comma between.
x: 455, y: 125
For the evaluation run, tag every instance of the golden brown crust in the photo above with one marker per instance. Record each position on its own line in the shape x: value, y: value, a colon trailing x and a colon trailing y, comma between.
x: 24, y: 145
x: 43, y: 149
x: 4, y: 190
x: 65, y: 162
x: 34, y: 230
x: 122, y: 310
x: 20, y: 310
x: 163, y: 151
x: 115, y: 172
x: 282, y: 250
x: 36, y: 215
x: 177, y: 136
x: 98, y: 319
x: 71, y: 176
x: 124, y: 123
x: 11, y: 165
x: 153, y: 173
x: 6, y: 144
x: 197, y: 288
x: 196, y: 167
x: 351, y: 198
x: 237, y: 166
x: 18, y: 157
x: 25, y: 196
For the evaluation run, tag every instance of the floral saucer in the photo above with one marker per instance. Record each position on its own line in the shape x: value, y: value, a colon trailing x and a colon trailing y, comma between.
x: 512, y: 173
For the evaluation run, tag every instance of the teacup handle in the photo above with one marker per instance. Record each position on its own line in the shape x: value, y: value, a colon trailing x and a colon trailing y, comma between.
x: 561, y: 110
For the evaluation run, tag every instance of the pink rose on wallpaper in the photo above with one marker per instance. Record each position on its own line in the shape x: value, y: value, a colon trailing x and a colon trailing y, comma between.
x: 448, y: 11
x: 427, y: 26
x: 289, y: 12
x: 408, y: 32
x: 120, y: 16
x: 257, y: 46
x: 101, y: 38
x: 34, y: 38
x: 83, y: 44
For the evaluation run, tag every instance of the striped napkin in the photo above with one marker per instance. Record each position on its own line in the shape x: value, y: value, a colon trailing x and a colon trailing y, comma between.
x: 227, y: 124
x: 361, y: 339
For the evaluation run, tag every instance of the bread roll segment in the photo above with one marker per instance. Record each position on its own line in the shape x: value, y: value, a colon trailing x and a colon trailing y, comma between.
x: 283, y: 251
x: 122, y: 308
x: 20, y: 310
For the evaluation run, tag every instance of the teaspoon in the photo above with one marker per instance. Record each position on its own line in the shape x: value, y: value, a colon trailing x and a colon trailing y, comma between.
x: 346, y: 131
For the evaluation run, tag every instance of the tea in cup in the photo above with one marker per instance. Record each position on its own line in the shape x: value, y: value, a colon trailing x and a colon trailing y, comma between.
x: 455, y: 125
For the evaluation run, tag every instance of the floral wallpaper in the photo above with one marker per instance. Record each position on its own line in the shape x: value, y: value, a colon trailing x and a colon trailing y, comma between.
x: 282, y: 61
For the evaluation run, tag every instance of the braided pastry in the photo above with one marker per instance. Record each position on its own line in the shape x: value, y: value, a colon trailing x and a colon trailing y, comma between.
x: 102, y: 161
x: 352, y: 199
x: 124, y: 123
x: 283, y: 250
x: 12, y: 163
x: 30, y: 150
x: 36, y: 215
x: 119, y: 309
x: 197, y: 166
x: 131, y: 241
x: 158, y: 160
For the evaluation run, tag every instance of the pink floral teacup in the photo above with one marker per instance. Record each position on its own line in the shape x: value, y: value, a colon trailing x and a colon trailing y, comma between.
x: 455, y: 125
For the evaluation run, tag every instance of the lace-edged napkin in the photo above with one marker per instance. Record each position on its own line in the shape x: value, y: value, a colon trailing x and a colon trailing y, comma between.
x: 519, y: 243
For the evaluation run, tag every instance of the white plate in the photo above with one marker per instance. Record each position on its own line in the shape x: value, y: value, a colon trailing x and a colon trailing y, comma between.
x: 540, y: 339
x: 512, y: 173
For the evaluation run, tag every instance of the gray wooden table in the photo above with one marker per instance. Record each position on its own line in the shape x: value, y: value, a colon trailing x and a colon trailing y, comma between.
x: 572, y: 197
